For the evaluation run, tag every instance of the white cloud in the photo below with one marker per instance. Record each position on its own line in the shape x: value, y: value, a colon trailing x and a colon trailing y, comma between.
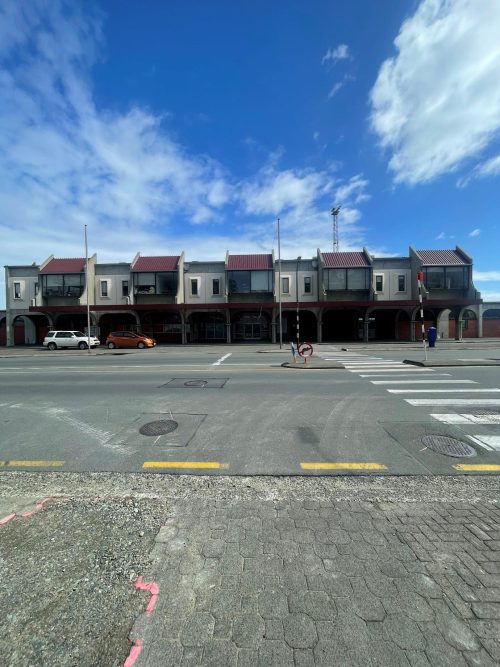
x: 335, y: 90
x: 440, y: 236
x: 340, y: 52
x: 437, y: 102
x: 474, y: 233
x: 486, y: 276
x: 490, y: 296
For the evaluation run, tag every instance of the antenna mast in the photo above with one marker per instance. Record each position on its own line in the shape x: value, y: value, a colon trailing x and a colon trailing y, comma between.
x: 335, y: 215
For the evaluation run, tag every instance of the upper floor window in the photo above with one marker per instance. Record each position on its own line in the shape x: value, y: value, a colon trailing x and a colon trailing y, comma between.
x: 155, y: 283
x: 69, y: 285
x: 446, y: 277
x: 285, y: 285
x: 402, y: 283
x: 194, y: 286
x: 241, y: 282
x: 104, y: 288
x: 346, y: 279
x: 17, y: 290
x: 379, y: 283
x: 215, y: 286
x: 124, y: 287
x: 307, y: 285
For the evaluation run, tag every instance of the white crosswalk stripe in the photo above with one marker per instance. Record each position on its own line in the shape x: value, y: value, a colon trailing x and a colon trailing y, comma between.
x: 443, y: 391
x: 454, y: 418
x: 429, y: 381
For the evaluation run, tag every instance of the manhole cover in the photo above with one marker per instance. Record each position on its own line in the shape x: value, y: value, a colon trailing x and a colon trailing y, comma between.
x: 442, y: 444
x: 196, y: 383
x: 160, y: 427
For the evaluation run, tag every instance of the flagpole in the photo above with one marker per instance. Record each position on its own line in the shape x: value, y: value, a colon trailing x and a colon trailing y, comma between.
x: 87, y: 289
x: 279, y: 284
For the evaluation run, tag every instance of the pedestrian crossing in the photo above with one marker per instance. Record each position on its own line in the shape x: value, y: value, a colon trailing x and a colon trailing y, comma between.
x: 437, y: 392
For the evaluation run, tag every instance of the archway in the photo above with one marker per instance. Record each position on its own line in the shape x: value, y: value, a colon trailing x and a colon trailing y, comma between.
x: 491, y: 323
x: 342, y: 325
x: 251, y: 326
x: 308, y: 328
x: 207, y: 327
x: 73, y: 321
x: 121, y: 321
x: 469, y: 327
x: 164, y: 326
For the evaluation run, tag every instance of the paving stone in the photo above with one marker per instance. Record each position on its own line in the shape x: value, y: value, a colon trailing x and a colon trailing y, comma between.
x: 192, y: 657
x: 178, y: 603
x: 303, y: 657
x: 486, y: 629
x: 486, y: 610
x: 247, y: 657
x: 160, y: 653
x: 307, y: 563
x: 249, y: 604
x: 274, y: 629
x: 226, y: 604
x: 231, y: 564
x: 338, y: 536
x: 479, y: 659
x: 275, y: 654
x: 456, y: 632
x: 323, y: 550
x: 493, y: 648
x: 273, y: 604
x: 386, y: 654
x: 220, y: 653
x: 281, y: 548
x: 248, y: 630
x: 335, y: 584
x: 404, y: 632
x: 410, y: 604
x: 351, y: 567
x: 331, y: 654
x: 223, y: 627
x: 197, y: 630
x: 265, y: 564
x: 441, y: 654
x: 418, y: 659
x: 368, y: 607
x: 191, y: 564
x: 316, y: 604
x: 293, y: 581
x: 300, y: 631
x: 213, y: 548
x: 250, y: 548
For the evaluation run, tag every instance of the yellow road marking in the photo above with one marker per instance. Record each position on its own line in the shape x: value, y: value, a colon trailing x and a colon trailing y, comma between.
x: 32, y: 464
x: 184, y: 464
x: 343, y: 466
x: 480, y: 467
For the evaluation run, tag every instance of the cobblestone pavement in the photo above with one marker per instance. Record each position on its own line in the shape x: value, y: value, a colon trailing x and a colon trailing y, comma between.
x: 325, y: 583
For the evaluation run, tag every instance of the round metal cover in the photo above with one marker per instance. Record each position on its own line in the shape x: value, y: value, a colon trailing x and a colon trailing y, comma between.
x: 196, y: 383
x: 160, y: 427
x: 442, y: 444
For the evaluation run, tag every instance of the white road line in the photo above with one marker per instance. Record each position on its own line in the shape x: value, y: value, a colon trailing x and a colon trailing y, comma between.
x: 383, y: 374
x: 219, y: 361
x: 491, y: 442
x: 454, y: 418
x: 429, y: 381
x: 453, y: 401
x: 391, y: 370
x: 443, y: 391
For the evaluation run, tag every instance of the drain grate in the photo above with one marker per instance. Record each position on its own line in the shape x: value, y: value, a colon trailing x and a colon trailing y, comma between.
x: 442, y: 444
x: 196, y: 383
x: 160, y: 427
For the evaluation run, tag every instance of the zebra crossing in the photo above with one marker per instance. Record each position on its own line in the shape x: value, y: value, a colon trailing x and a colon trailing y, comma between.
x: 480, y: 407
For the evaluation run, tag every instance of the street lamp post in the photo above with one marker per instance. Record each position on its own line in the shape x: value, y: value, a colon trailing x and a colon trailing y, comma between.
x: 297, y: 295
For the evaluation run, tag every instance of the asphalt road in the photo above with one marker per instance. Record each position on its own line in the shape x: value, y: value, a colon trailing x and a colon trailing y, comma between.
x: 236, y: 410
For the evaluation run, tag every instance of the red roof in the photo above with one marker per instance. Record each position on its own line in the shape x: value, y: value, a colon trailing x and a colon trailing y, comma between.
x: 73, y: 265
x: 344, y: 260
x: 156, y: 263
x: 252, y: 262
x: 441, y: 257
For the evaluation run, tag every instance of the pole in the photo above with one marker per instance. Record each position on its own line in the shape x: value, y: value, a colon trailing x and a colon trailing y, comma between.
x: 87, y: 288
x: 297, y: 295
x: 420, y: 277
x: 279, y: 284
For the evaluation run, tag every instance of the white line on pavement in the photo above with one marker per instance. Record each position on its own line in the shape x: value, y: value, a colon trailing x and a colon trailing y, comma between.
x: 429, y: 381
x: 391, y: 370
x: 219, y: 361
x: 454, y: 418
x: 488, y: 441
x: 453, y: 401
x: 443, y: 391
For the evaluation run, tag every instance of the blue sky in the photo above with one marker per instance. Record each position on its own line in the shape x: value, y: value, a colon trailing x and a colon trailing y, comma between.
x: 193, y: 125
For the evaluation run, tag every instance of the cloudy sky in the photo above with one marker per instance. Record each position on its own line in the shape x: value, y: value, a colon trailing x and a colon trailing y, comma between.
x: 193, y: 125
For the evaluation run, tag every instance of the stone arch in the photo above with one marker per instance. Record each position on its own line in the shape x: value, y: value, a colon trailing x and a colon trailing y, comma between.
x: 251, y: 326
x: 308, y: 325
x: 491, y: 322
x: 206, y: 326
x: 117, y: 320
x: 342, y: 324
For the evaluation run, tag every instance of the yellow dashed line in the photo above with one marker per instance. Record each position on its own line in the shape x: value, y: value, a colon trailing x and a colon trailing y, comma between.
x: 184, y: 464
x: 478, y: 467
x: 32, y: 464
x: 343, y: 466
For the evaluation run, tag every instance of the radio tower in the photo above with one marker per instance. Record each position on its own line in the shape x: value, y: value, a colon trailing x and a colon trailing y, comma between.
x: 335, y: 215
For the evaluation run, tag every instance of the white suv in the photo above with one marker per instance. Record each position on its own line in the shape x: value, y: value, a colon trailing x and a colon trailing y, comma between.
x: 55, y: 339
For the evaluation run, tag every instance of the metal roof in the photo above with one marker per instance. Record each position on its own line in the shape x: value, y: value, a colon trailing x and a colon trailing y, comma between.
x: 164, y: 263
x: 71, y: 265
x: 249, y: 262
x: 344, y: 260
x: 441, y: 257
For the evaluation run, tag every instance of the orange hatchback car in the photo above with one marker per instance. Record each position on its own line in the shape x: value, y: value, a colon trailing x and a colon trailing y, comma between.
x: 128, y: 339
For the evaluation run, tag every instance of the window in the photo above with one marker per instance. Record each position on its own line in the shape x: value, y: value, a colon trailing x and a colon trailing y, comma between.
x: 243, y: 282
x: 57, y: 285
x: 124, y: 287
x: 449, y: 277
x: 215, y: 286
x: 307, y: 285
x: 37, y: 288
x: 17, y: 290
x: 379, y: 283
x: 346, y: 279
x: 104, y: 288
x: 155, y: 283
x: 357, y: 279
x: 401, y: 283
x: 194, y: 286
x: 285, y: 285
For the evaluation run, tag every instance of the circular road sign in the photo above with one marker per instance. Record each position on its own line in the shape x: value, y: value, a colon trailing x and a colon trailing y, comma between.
x: 305, y: 349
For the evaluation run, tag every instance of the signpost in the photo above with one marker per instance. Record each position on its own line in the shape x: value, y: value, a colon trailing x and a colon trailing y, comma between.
x: 305, y: 350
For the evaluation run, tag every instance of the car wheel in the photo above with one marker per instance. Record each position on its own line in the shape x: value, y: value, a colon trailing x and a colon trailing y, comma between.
x: 82, y: 346
x: 141, y: 345
x: 52, y: 346
x: 111, y: 346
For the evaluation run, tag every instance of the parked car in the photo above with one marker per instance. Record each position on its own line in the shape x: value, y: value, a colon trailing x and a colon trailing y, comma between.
x: 128, y: 339
x: 59, y: 339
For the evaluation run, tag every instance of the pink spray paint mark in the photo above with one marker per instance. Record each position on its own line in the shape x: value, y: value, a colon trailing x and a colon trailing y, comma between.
x: 38, y: 507
x: 134, y: 652
x: 7, y: 518
x: 152, y: 588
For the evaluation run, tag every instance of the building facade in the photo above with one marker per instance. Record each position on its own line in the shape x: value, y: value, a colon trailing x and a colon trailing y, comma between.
x: 334, y: 296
